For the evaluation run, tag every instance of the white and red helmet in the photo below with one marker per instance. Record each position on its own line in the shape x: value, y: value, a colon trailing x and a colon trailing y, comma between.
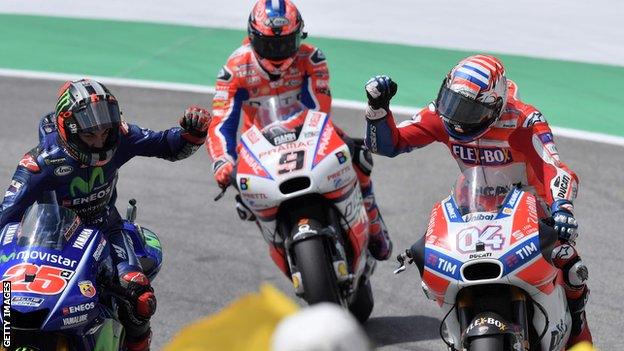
x: 472, y: 97
x: 275, y: 30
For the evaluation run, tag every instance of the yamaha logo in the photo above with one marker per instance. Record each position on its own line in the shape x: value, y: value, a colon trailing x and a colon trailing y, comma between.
x: 63, y: 170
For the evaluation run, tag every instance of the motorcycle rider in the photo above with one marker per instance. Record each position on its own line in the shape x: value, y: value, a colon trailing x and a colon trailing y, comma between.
x: 481, y: 119
x: 83, y: 144
x: 273, y: 61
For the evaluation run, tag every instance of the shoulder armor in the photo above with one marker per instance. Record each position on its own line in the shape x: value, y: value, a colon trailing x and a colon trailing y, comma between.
x: 29, y: 161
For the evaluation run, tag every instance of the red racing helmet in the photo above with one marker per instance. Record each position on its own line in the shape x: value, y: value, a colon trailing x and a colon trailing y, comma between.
x: 275, y: 30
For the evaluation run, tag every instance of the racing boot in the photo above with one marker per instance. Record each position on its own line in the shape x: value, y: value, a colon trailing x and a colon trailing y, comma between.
x: 138, y: 343
x: 580, y: 330
x: 379, y: 243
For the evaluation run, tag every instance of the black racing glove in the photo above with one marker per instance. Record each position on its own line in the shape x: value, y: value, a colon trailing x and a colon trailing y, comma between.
x: 565, y: 223
x: 195, y: 122
x: 379, y: 91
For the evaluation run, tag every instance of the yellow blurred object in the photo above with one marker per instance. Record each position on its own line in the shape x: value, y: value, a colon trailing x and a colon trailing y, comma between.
x: 583, y: 346
x: 246, y: 324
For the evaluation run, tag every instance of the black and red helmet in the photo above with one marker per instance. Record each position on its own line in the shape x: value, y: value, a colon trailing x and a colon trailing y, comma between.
x: 275, y: 30
x: 87, y: 106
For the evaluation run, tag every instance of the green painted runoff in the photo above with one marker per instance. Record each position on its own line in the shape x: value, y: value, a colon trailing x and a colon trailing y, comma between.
x: 570, y: 94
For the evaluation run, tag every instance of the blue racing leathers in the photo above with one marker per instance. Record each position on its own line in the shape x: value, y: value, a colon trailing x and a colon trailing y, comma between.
x: 89, y: 191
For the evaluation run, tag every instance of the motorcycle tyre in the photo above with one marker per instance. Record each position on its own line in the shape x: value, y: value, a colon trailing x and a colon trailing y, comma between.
x: 317, y: 274
x: 363, y: 304
x: 487, y: 343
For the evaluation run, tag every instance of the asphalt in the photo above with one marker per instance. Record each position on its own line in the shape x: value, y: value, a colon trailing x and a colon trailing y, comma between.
x: 211, y: 258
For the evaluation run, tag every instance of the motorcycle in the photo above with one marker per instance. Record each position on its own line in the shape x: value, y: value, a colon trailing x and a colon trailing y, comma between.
x: 56, y: 275
x: 486, y: 260
x: 294, y: 174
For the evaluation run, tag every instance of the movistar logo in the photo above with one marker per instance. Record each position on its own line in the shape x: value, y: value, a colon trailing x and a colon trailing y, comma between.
x: 6, y: 258
x: 63, y: 101
x: 97, y: 174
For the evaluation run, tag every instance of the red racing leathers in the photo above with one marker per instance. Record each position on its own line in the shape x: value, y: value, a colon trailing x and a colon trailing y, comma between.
x: 242, y: 84
x: 520, y: 140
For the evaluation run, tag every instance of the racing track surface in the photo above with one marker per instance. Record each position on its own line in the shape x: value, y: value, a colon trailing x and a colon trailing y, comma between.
x: 211, y: 257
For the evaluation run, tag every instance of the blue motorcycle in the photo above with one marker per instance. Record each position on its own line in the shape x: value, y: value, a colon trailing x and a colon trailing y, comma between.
x: 56, y: 277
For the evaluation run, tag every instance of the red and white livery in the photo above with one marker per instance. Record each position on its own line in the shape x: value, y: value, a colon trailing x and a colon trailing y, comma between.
x: 486, y: 260
x: 295, y: 174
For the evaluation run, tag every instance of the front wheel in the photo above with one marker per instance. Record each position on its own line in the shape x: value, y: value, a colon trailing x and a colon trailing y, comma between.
x: 363, y: 304
x: 487, y: 343
x: 317, y: 272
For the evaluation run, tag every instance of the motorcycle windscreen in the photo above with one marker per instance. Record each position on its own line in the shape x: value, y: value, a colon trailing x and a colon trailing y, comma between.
x: 482, y: 189
x: 277, y: 110
x: 47, y: 225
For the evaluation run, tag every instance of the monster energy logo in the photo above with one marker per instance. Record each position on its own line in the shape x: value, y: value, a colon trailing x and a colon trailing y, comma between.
x: 151, y: 239
x: 85, y: 187
x: 63, y: 102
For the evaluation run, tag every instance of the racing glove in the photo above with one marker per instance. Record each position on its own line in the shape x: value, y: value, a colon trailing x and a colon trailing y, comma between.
x: 141, y: 304
x: 195, y: 122
x: 222, y: 169
x: 565, y: 223
x: 379, y: 91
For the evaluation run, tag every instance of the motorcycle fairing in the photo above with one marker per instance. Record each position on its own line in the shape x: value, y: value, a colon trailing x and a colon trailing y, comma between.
x: 509, y: 238
x: 520, y: 257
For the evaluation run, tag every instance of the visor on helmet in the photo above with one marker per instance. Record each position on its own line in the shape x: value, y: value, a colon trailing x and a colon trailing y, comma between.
x: 276, y: 48
x: 461, y: 110
x: 97, y: 115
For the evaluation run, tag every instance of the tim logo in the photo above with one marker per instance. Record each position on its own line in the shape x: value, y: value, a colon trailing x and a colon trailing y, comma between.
x: 487, y: 156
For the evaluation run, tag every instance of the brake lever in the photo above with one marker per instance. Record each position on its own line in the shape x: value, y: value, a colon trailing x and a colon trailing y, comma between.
x: 222, y: 193
x: 403, y: 258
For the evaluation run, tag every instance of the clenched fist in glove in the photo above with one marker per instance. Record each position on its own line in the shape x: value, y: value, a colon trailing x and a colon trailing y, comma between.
x: 195, y: 122
x: 379, y: 91
x: 565, y: 223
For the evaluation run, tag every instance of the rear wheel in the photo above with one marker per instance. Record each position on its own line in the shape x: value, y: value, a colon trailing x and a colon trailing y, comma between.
x: 317, y: 272
x: 487, y: 343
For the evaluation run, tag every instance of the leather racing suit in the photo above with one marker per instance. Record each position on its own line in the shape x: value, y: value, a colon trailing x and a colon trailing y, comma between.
x: 242, y: 85
x: 521, y: 141
x: 91, y: 193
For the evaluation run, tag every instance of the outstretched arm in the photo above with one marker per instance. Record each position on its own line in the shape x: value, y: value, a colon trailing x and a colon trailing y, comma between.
x: 172, y: 144
x: 383, y: 136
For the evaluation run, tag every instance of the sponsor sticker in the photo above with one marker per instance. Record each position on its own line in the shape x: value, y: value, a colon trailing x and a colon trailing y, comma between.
x: 27, y: 301
x: 82, y: 239
x: 63, y: 170
x: 490, y: 156
x: 78, y: 308
x: 71, y: 321
x: 98, y: 250
x: 10, y: 234
x: 87, y: 289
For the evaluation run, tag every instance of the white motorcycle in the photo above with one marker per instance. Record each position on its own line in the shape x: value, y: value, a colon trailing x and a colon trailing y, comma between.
x: 486, y: 260
x: 294, y: 174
